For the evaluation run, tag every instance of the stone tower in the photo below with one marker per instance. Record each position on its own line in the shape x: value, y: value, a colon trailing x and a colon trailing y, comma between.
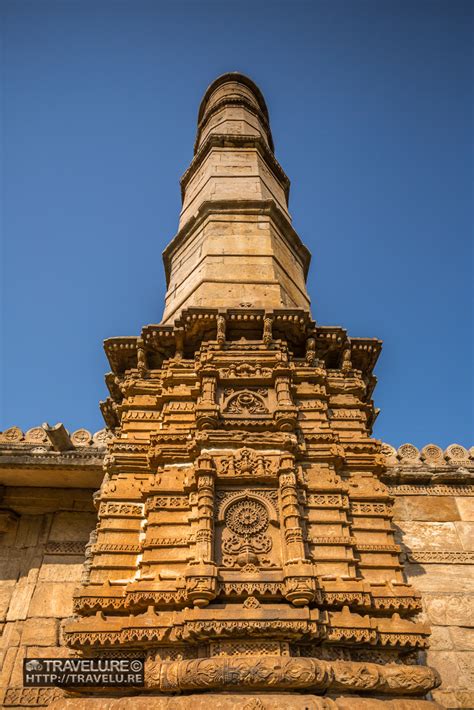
x: 244, y: 544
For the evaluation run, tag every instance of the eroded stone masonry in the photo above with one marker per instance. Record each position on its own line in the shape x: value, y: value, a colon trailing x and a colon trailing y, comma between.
x: 236, y: 524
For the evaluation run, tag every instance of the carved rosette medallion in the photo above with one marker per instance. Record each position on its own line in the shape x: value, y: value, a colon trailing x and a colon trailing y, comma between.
x: 244, y: 539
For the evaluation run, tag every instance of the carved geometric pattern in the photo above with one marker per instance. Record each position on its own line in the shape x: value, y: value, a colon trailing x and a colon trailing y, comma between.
x: 453, y: 557
x: 435, y: 489
x: 66, y: 548
x: 246, y: 517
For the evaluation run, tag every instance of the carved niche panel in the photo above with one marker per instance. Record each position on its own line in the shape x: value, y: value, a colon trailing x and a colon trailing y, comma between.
x: 247, y: 535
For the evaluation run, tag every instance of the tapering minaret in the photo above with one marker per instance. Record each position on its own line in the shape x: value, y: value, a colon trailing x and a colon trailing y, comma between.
x: 235, y: 246
x: 244, y: 545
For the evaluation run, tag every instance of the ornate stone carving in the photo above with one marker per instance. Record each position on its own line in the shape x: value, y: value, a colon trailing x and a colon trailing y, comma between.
x: 246, y: 462
x: 283, y: 673
x: 244, y: 522
x: 245, y: 403
x: 244, y: 538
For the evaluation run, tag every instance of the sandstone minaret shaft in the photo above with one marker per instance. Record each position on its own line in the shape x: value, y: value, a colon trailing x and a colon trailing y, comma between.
x: 235, y: 246
x: 244, y: 544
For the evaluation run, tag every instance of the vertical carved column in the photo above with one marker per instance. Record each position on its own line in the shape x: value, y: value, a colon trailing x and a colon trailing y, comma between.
x: 310, y: 356
x: 208, y: 391
x: 207, y: 410
x: 221, y: 324
x: 267, y: 330
x: 285, y: 413
x: 205, y: 485
x: 141, y: 358
x: 282, y: 389
x: 299, y: 578
x: 179, y: 343
x: 346, y: 360
x: 201, y: 575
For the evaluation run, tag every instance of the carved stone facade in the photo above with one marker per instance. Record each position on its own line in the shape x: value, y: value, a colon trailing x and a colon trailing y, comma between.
x: 252, y: 539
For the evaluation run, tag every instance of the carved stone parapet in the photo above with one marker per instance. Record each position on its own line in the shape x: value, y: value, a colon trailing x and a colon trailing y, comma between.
x: 288, y: 673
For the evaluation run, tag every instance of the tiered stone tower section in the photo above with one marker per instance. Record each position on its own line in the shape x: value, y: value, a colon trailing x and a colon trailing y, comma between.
x: 244, y: 543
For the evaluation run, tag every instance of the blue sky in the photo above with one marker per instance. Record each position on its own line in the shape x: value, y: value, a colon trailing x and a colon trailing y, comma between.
x: 371, y: 111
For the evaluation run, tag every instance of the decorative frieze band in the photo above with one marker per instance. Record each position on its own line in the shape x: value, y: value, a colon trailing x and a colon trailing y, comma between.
x: 130, y: 510
x: 332, y: 540
x: 436, y: 489
x: 111, y: 547
x: 31, y: 697
x: 378, y: 548
x: 328, y: 500
x: 450, y: 557
x: 66, y: 548
x: 183, y: 541
x: 168, y: 503
x: 371, y: 509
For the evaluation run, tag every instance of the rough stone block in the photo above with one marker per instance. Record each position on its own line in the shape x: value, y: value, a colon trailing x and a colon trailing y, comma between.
x: 440, y: 639
x: 29, y: 529
x: 71, y: 526
x: 9, y: 663
x: 20, y: 601
x: 455, y: 700
x: 446, y: 664
x: 428, y: 535
x: 11, y: 634
x: 61, y: 568
x: 465, y: 532
x: 450, y: 609
x: 52, y: 599
x: 6, y: 591
x: 465, y: 661
x: 40, y: 632
x: 466, y: 508
x: 462, y: 638
x: 441, y: 578
x: 431, y: 508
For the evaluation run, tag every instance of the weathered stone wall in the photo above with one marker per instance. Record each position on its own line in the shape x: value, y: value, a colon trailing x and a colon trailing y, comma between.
x: 434, y: 519
x: 41, y: 561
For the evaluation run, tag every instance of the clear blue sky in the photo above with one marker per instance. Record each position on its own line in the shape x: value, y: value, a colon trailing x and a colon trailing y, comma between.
x: 371, y: 111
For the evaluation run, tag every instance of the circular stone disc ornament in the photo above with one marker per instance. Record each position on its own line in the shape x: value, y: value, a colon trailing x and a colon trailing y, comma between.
x: 246, y: 517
